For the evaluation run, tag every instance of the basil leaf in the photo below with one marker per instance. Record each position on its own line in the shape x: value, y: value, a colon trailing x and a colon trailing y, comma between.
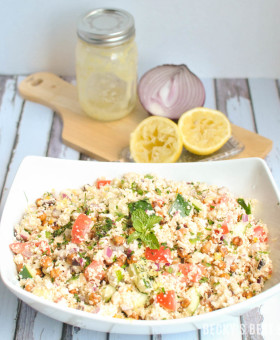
x: 184, y: 207
x: 246, y: 207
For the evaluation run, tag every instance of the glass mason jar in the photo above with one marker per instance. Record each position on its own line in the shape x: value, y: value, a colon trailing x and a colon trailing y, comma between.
x: 106, y: 64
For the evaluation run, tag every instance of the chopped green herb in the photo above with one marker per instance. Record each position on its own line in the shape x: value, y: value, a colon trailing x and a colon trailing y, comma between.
x: 170, y: 270
x: 158, y: 191
x: 62, y: 229
x: 203, y: 279
x: 48, y: 234
x: 101, y: 230
x: 119, y: 275
x: 149, y: 176
x: 246, y: 207
x: 77, y: 297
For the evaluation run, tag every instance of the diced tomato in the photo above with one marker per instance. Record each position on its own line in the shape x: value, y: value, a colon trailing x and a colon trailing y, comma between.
x: 80, y: 228
x: 21, y: 248
x: 94, y: 271
x: 191, y: 272
x: 167, y: 300
x: 161, y: 255
x: 26, y: 249
x: 260, y: 234
x: 100, y: 183
x: 225, y: 229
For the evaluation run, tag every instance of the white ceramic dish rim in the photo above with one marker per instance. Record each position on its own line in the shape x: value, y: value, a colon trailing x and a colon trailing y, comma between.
x: 212, y: 317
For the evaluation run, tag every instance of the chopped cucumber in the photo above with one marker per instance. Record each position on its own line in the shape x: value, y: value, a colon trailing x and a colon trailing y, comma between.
x: 25, y: 273
x: 197, y: 204
x: 140, y: 300
x: 140, y: 278
x: 132, y: 270
x: 194, y: 297
x: 107, y: 292
x: 143, y: 284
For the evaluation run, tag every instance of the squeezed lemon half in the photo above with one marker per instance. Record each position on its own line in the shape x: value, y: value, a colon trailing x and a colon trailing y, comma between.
x: 203, y: 130
x: 156, y: 140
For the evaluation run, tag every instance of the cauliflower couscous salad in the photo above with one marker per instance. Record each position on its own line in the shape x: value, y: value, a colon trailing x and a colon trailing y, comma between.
x: 142, y: 247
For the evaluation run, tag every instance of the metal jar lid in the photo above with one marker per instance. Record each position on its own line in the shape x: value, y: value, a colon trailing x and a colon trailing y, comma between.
x: 106, y: 27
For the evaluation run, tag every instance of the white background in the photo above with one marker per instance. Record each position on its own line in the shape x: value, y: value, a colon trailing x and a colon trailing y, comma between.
x: 215, y: 38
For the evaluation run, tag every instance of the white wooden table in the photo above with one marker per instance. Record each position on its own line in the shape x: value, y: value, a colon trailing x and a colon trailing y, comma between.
x: 30, y: 129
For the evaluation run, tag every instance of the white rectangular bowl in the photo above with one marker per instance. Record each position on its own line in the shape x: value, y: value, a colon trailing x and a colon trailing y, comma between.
x: 250, y: 178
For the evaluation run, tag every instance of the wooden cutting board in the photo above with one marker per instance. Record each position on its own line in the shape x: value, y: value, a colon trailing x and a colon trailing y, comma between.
x: 106, y: 140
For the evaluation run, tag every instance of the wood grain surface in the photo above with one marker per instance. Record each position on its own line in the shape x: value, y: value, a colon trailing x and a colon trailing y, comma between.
x: 106, y: 140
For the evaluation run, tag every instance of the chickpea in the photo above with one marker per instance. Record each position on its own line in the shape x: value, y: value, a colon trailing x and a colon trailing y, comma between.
x: 183, y: 253
x: 185, y: 303
x: 121, y: 260
x: 39, y: 272
x: 39, y: 202
x: 233, y: 267
x: 131, y: 259
x: 19, y: 266
x: 42, y: 217
x: 28, y: 288
x: 221, y: 265
x: 94, y: 299
x: 206, y: 247
x: 46, y: 262
x: 237, y: 241
x: 225, y: 275
x: 214, y: 239
x: 222, y: 250
x: 176, y: 260
x: 55, y: 273
x: 118, y: 240
x: 247, y: 295
x: 134, y: 316
x: 246, y: 269
x: 70, y: 258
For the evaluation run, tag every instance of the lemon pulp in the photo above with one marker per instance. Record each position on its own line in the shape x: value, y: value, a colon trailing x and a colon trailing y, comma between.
x: 156, y: 140
x: 204, y: 130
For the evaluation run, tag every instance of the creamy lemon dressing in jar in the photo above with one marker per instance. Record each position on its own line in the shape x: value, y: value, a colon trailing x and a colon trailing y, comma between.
x: 106, y: 64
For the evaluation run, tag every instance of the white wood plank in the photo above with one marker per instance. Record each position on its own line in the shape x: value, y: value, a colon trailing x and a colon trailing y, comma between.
x: 10, y: 107
x: 10, y: 110
x: 227, y: 330
x: 32, y: 139
x: 45, y: 328
x: 56, y: 147
x: 234, y: 100
x: 128, y: 337
x: 266, y: 105
x: 84, y: 334
x: 193, y: 335
x: 210, y: 99
x: 270, y: 325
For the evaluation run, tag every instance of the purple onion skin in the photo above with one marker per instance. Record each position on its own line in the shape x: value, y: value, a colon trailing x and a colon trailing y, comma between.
x: 174, y: 115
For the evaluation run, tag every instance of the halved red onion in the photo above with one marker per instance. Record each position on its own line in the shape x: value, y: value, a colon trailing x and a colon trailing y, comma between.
x: 170, y: 90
